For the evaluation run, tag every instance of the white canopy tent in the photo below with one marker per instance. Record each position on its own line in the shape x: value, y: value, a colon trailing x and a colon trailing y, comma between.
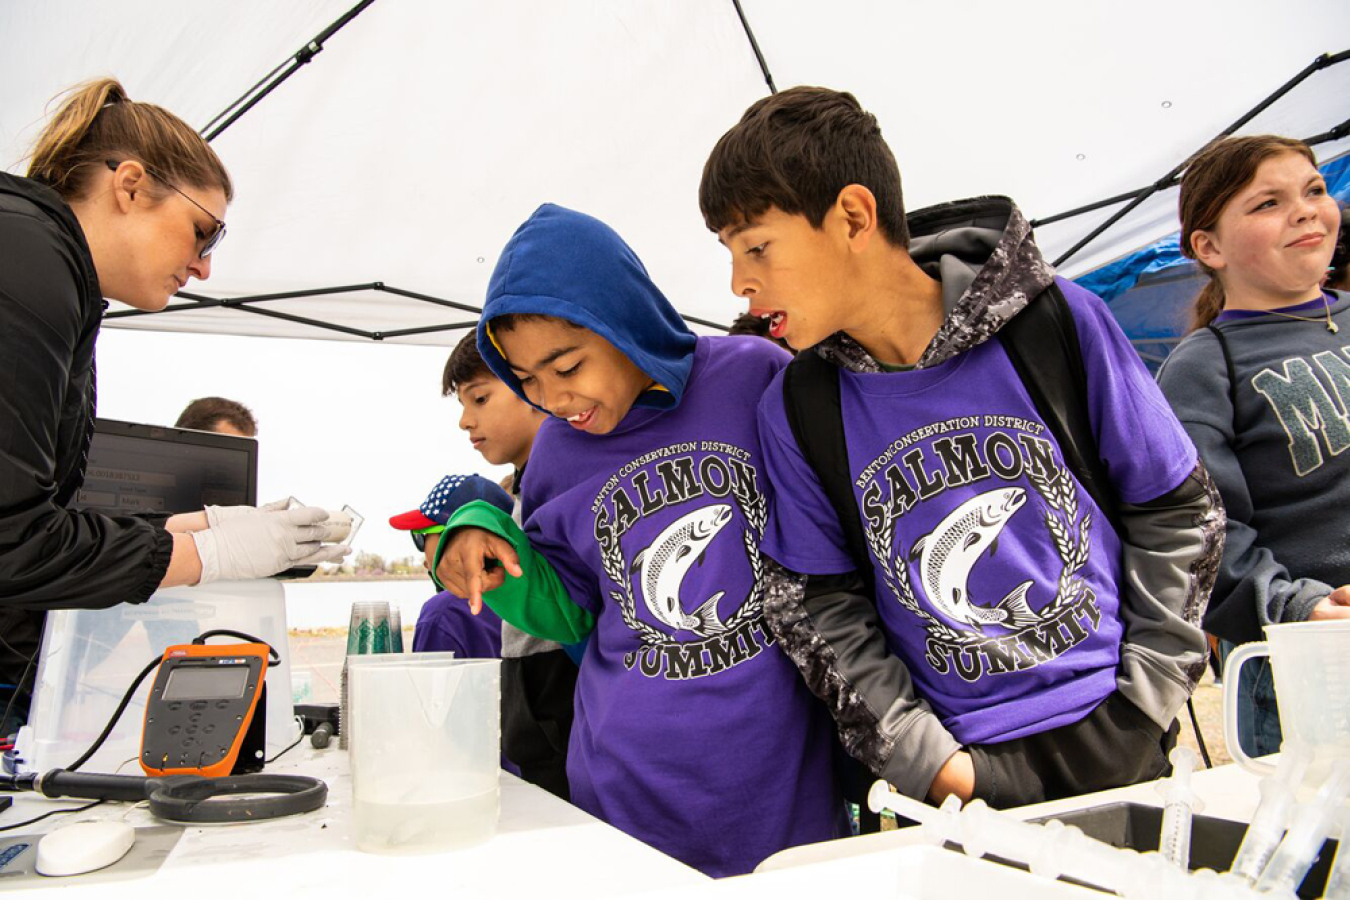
x: 423, y: 133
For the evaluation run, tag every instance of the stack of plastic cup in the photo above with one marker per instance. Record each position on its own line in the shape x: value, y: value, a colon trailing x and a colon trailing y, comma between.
x: 369, y: 629
x: 368, y: 632
x: 396, y: 629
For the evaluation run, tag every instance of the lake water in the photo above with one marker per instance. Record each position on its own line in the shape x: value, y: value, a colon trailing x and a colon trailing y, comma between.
x: 329, y: 605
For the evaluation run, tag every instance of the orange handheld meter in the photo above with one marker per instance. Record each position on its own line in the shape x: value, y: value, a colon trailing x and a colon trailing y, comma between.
x: 202, y: 716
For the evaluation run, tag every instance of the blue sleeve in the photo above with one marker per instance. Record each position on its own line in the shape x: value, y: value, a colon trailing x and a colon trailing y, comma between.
x: 803, y: 532
x: 1146, y: 451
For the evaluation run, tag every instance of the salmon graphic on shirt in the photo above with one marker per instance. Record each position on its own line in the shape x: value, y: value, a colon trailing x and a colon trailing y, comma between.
x: 669, y: 558
x: 948, y: 553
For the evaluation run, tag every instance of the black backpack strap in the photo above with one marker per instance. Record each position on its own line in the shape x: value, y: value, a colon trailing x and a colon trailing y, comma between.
x: 811, y: 398
x: 1042, y: 343
x: 814, y: 410
x: 1228, y: 364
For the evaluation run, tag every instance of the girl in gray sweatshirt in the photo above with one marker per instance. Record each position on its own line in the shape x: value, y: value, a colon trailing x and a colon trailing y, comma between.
x: 1262, y: 385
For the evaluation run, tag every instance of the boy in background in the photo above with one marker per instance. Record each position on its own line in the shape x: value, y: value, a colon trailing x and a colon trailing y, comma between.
x: 445, y: 623
x: 1003, y: 653
x: 644, y: 514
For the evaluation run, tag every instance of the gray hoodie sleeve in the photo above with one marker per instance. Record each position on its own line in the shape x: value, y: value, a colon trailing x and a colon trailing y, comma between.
x: 1171, y: 550
x: 1252, y: 588
x: 829, y: 628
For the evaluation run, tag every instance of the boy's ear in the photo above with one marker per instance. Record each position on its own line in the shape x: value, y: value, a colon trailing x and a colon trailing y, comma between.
x: 857, y: 207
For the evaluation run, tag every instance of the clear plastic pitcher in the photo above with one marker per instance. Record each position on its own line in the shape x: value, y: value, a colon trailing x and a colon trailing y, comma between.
x: 425, y: 750
x: 1311, y: 663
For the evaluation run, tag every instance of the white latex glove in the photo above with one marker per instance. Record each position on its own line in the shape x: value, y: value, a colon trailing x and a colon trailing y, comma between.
x: 217, y: 514
x: 263, y: 544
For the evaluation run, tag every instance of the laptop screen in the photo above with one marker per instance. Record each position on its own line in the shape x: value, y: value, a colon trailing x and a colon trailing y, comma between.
x: 149, y: 468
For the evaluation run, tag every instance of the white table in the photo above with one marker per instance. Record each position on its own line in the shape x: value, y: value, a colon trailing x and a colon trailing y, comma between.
x: 548, y: 848
x: 543, y: 847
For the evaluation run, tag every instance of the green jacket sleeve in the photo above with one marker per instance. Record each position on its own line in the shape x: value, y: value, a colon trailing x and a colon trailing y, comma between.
x: 536, y: 603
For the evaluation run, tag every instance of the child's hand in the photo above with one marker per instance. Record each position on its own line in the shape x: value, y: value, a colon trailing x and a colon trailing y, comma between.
x: 957, y: 777
x: 464, y: 568
x: 1335, y: 605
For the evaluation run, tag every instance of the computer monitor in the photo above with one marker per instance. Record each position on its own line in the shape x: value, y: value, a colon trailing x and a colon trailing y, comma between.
x: 151, y: 468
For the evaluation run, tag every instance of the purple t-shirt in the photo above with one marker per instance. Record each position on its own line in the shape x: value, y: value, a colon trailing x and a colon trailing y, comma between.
x: 997, y: 575
x: 693, y: 731
x: 445, y: 624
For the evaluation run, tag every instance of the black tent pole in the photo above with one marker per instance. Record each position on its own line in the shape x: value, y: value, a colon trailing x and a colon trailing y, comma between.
x: 754, y: 45
x: 1321, y: 62
x: 300, y: 58
x: 1334, y: 134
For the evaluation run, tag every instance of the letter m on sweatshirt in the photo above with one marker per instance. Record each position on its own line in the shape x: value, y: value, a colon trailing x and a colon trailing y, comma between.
x: 1306, y: 408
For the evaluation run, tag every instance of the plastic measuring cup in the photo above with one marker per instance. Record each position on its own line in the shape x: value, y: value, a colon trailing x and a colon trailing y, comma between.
x: 1311, y: 662
x: 425, y: 751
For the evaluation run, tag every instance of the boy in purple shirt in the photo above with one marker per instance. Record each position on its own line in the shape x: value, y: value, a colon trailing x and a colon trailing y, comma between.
x: 1017, y: 646
x: 643, y: 515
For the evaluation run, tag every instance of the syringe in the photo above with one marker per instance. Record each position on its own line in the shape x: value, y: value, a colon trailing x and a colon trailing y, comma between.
x: 1180, y: 802
x: 1273, y: 812
x: 1312, y: 823
x: 1055, y: 849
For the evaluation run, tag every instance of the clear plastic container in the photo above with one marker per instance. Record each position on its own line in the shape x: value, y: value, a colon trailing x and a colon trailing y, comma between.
x: 90, y: 657
x: 425, y: 750
x: 1311, y: 662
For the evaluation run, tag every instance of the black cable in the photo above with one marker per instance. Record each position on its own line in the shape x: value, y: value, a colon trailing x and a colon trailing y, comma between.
x: 281, y: 753
x: 117, y: 714
x: 1199, y: 738
x: 55, y: 812
x: 226, y: 632
x: 18, y: 688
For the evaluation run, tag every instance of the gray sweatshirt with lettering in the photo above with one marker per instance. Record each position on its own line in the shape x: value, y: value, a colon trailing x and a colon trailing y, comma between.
x: 1271, y: 419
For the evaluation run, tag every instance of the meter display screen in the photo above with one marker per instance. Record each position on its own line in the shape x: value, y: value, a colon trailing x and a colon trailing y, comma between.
x: 206, y: 683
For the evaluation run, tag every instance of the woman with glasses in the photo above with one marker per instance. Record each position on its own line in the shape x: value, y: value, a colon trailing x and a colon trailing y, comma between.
x: 122, y: 200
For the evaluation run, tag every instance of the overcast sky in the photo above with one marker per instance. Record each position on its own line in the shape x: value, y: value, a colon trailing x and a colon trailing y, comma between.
x: 340, y: 423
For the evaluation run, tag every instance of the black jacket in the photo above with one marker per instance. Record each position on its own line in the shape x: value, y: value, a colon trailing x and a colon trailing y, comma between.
x: 50, y: 311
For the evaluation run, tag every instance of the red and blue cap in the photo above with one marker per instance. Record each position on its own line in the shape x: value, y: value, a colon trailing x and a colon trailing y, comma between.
x: 449, y: 494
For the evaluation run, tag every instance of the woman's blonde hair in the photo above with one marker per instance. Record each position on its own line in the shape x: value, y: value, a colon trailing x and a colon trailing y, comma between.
x: 1213, y: 177
x: 98, y: 123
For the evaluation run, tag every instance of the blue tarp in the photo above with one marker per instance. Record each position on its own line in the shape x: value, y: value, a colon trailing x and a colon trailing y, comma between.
x: 1150, y: 291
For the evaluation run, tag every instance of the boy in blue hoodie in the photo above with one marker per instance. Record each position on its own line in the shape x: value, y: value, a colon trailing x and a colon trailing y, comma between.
x: 643, y: 515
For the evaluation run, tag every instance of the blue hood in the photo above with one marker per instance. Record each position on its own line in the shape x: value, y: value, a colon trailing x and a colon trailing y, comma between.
x: 566, y: 264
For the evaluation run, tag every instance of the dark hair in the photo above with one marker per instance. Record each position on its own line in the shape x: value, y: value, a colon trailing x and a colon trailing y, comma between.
x: 98, y: 123
x: 796, y: 151
x: 465, y: 364
x: 756, y: 326
x: 203, y: 414
x: 1340, y: 260
x: 1214, y: 176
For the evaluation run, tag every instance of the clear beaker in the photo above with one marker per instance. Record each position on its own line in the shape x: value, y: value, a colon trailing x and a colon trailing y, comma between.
x: 1311, y: 664
x: 425, y: 751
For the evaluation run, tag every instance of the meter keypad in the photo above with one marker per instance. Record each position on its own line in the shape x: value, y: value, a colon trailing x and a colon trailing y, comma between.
x: 188, y: 732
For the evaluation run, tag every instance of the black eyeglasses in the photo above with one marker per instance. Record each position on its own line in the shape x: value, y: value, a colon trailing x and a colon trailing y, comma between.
x: 420, y: 538
x: 207, y: 242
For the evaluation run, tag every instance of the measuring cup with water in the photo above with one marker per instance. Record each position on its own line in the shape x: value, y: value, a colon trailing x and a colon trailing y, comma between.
x: 1311, y: 664
x: 425, y: 750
